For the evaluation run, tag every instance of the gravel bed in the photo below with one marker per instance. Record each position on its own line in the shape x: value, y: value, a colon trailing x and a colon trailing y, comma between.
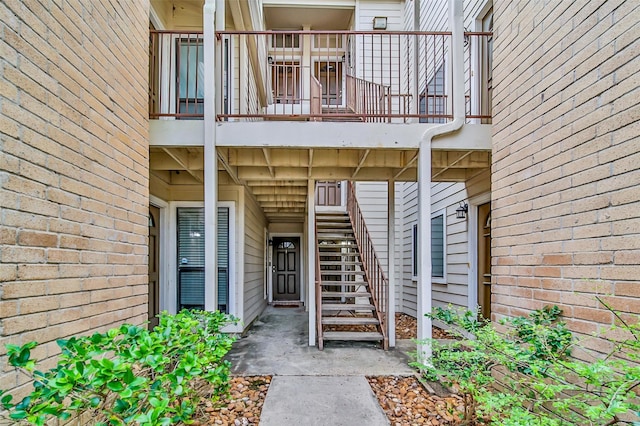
x: 406, y: 402
x: 243, y: 405
x: 407, y: 328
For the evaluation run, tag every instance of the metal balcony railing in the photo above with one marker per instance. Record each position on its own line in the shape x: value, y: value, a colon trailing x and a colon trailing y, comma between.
x: 319, y: 75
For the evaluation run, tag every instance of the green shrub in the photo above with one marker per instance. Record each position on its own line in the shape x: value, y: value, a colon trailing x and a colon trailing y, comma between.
x: 526, y: 376
x: 128, y: 375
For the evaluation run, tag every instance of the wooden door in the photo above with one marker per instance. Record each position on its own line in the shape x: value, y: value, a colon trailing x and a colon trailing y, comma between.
x: 286, y: 274
x: 154, y: 267
x: 329, y: 74
x: 328, y: 194
x: 484, y: 260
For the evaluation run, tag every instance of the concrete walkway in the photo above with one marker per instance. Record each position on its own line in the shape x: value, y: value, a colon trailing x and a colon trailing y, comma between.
x: 313, y: 387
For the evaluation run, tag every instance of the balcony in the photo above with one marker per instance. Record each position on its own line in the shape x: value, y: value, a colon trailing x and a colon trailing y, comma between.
x: 327, y: 76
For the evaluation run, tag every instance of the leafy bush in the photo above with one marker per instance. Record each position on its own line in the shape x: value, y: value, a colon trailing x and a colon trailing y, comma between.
x: 128, y: 375
x: 526, y: 376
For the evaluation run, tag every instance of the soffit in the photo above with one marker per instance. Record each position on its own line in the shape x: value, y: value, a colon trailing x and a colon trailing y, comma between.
x: 277, y: 178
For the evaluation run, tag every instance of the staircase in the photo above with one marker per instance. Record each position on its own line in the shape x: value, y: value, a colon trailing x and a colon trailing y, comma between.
x: 346, y: 306
x: 330, y: 113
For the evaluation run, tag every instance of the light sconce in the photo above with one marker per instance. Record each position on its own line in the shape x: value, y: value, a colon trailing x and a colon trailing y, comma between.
x: 461, y: 212
x: 270, y: 243
x: 269, y: 59
x: 380, y: 23
x: 342, y: 59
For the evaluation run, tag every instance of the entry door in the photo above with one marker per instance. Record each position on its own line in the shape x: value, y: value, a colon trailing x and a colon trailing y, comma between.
x: 328, y: 194
x: 329, y: 74
x: 154, y: 267
x: 286, y: 274
x: 484, y: 259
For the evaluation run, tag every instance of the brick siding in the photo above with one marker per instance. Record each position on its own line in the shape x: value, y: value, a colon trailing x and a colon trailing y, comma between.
x: 566, y: 151
x: 73, y: 170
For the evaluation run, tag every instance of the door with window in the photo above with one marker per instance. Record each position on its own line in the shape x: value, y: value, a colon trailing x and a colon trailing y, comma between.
x: 484, y: 260
x: 191, y: 283
x: 286, y: 269
x: 329, y: 74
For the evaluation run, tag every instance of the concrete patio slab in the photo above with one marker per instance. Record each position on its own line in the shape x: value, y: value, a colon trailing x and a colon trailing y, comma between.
x: 277, y: 344
x: 320, y: 401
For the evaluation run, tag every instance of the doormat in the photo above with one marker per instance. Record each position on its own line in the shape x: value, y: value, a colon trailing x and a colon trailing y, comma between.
x: 286, y: 304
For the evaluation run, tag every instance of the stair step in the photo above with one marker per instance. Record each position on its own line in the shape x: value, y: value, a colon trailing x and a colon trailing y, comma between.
x: 349, y: 246
x: 330, y: 272
x: 338, y: 263
x: 351, y: 335
x: 338, y: 294
x: 358, y: 283
x: 322, y: 237
x: 346, y: 306
x: 349, y: 320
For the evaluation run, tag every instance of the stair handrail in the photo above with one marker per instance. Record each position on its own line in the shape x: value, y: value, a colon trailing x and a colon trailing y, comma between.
x: 318, y: 291
x: 378, y: 282
x: 369, y: 100
x: 316, y: 99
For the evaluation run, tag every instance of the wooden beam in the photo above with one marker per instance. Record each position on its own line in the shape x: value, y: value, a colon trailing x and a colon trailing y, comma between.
x: 182, y: 158
x: 265, y: 152
x: 363, y: 157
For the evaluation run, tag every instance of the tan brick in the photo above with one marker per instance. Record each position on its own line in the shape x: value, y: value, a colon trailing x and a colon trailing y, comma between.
x: 38, y: 304
x: 23, y: 323
x: 37, y: 239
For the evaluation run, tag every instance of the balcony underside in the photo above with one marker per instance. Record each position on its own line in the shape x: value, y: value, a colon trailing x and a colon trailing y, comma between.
x: 275, y: 160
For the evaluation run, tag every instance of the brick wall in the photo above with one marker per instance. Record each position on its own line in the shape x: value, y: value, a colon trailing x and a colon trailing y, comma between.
x: 566, y: 158
x: 73, y: 170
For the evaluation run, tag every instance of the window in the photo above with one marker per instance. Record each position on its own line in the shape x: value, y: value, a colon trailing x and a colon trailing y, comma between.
x: 191, y: 258
x: 433, y: 101
x: 285, y: 40
x: 190, y: 76
x: 438, y: 247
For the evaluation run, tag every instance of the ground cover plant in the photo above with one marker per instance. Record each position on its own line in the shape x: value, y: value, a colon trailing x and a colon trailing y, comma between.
x: 128, y: 375
x: 528, y: 376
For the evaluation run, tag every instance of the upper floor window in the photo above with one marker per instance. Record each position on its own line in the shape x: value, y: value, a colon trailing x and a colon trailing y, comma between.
x: 285, y: 40
x: 190, y: 76
x: 433, y: 100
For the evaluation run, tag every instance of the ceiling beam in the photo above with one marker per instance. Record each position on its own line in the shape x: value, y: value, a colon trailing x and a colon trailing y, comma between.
x: 232, y: 171
x: 462, y: 157
x: 267, y: 158
x: 363, y: 157
x: 406, y: 166
x: 182, y: 159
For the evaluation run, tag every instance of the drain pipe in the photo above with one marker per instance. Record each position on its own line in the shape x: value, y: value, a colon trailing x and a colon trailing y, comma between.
x: 424, y: 176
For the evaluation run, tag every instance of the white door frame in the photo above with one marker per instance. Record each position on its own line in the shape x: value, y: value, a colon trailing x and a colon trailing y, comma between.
x: 303, y: 252
x: 472, y: 281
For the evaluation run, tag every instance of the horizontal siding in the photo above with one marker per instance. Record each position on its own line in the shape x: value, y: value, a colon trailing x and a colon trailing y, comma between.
x: 444, y: 196
x: 254, y: 267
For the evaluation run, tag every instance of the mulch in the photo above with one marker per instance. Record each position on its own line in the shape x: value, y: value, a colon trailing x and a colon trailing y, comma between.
x: 405, y: 401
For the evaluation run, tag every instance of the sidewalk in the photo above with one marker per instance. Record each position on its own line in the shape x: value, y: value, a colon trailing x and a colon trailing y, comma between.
x: 312, y: 387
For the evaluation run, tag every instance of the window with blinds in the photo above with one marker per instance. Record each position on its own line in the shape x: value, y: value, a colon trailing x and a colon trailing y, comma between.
x: 191, y: 249
x: 437, y: 246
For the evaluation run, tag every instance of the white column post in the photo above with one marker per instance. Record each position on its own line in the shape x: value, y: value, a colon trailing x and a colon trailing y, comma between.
x: 391, y: 250
x: 306, y: 71
x: 210, y: 160
x: 424, y: 248
x: 220, y: 55
x: 311, y: 255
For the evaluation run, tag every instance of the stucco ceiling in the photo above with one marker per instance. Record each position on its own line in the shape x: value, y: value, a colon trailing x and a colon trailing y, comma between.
x: 294, y: 18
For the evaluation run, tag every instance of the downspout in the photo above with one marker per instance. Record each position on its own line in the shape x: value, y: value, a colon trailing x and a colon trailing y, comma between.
x: 456, y: 21
x: 210, y: 160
